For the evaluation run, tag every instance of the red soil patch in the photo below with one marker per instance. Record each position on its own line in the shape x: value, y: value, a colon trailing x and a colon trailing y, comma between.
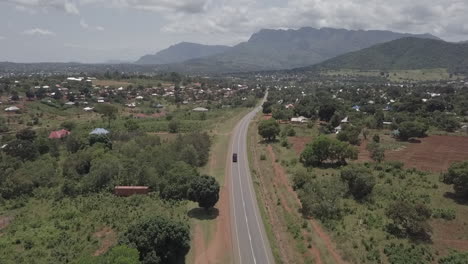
x: 363, y: 154
x: 5, y: 221
x: 451, y: 235
x: 434, y: 153
x: 107, y: 237
x: 299, y: 143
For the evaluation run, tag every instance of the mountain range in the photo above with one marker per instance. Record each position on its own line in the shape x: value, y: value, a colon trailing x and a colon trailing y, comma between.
x: 406, y: 53
x: 182, y: 52
x: 276, y: 49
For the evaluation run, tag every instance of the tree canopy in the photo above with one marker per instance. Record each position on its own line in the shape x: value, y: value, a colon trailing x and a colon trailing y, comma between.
x: 324, y: 149
x: 159, y: 240
x: 269, y: 129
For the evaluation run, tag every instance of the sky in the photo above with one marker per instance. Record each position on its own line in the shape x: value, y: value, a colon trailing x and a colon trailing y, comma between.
x: 94, y: 31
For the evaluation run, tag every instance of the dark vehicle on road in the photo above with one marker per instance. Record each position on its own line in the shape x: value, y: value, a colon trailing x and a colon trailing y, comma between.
x: 234, y: 157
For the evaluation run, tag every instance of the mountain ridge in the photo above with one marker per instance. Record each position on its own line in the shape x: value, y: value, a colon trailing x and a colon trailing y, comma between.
x: 272, y: 49
x: 402, y: 54
x: 180, y: 52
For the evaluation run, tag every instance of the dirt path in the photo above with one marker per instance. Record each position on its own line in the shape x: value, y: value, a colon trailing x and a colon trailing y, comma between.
x: 219, y: 248
x: 283, y: 179
x: 107, y: 238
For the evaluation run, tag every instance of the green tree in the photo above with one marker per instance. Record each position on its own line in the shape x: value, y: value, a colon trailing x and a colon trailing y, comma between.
x: 189, y: 155
x: 268, y: 129
x: 409, y: 220
x: 410, y: 129
x: 349, y: 134
x: 26, y: 134
x: 108, y: 112
x: 205, y: 191
x: 177, y: 180
x: 23, y: 149
x: 379, y: 119
x: 100, y: 138
x: 326, y: 112
x: 327, y: 149
x: 159, y: 240
x: 359, y: 179
x: 457, y: 175
x: 377, y: 152
x: 131, y: 125
x: 174, y: 126
x: 74, y: 143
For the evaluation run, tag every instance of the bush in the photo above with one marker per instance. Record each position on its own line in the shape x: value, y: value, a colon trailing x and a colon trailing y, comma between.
x: 455, y: 258
x: 409, y: 220
x: 457, y: 175
x: 158, y: 240
x: 446, y: 214
x: 322, y: 199
x: 359, y: 179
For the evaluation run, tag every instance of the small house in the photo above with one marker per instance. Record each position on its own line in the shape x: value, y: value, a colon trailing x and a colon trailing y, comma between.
x: 200, y: 109
x: 99, y: 131
x: 59, y: 134
x: 300, y: 119
x: 12, y: 109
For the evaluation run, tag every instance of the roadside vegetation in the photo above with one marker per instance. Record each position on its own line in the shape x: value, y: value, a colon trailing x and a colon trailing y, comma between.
x: 338, y: 147
x: 60, y: 163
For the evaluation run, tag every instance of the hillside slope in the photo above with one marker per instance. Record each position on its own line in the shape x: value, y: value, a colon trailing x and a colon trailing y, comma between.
x: 406, y: 53
x: 286, y: 49
x: 181, y: 52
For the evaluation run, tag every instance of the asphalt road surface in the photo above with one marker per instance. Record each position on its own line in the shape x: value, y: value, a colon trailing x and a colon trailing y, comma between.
x: 250, y: 242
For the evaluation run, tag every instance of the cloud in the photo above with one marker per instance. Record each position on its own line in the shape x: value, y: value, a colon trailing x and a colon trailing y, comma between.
x: 441, y: 17
x: 34, y: 5
x: 38, y: 32
x: 83, y: 24
x: 175, y: 6
x: 2, y: 37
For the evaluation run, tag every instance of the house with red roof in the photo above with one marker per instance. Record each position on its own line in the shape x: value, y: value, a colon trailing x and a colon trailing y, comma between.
x: 59, y: 134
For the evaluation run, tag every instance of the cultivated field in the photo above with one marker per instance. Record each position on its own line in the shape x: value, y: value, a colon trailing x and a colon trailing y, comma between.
x: 433, y: 153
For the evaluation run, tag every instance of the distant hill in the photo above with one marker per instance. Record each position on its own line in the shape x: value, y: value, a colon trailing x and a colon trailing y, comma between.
x: 182, y: 52
x: 406, y: 53
x: 285, y: 49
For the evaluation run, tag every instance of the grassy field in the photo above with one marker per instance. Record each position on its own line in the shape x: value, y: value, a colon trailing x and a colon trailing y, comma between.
x: 53, y: 229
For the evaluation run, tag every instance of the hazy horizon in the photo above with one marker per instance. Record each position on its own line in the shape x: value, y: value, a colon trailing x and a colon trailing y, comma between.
x: 97, y: 31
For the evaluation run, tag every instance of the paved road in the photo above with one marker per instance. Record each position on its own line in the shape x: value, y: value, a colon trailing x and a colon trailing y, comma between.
x: 250, y: 242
